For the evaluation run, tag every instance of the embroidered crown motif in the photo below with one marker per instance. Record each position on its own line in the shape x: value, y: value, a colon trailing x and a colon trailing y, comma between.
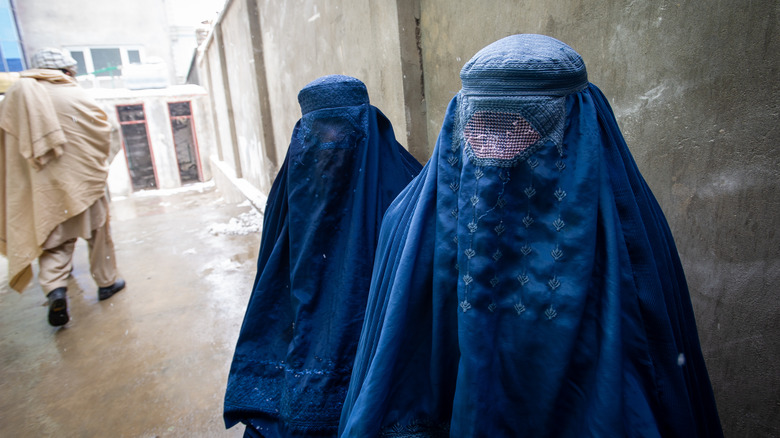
x: 523, y: 279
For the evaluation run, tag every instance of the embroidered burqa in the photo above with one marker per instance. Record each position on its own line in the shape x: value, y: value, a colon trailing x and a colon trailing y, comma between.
x: 526, y: 282
x: 297, y: 344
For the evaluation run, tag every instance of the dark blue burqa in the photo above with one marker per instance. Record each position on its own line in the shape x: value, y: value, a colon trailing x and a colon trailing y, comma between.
x: 294, y: 354
x: 526, y: 283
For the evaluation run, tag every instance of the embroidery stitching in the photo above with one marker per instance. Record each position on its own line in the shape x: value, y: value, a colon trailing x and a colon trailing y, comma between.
x: 557, y: 254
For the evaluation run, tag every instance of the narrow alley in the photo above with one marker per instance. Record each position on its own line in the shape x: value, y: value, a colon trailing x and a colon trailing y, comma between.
x: 153, y: 360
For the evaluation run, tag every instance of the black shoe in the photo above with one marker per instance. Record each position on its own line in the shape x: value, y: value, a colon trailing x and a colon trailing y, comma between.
x: 107, y: 292
x: 58, y: 307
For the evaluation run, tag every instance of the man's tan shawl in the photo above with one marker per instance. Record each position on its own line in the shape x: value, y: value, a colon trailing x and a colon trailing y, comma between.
x: 54, y: 141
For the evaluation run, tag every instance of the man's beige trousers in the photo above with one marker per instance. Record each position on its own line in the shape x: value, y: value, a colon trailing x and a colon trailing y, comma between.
x: 56, y: 261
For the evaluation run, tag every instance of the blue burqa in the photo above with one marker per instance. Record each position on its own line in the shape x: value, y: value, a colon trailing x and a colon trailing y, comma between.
x: 294, y: 355
x: 526, y: 283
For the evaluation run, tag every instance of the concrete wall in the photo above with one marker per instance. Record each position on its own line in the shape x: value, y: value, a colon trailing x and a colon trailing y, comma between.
x: 308, y: 39
x: 223, y: 119
x: 694, y: 85
x: 245, y: 99
x: 45, y: 23
x: 261, y: 53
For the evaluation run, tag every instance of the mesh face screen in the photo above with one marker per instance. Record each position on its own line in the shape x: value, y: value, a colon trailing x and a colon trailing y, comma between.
x: 332, y: 129
x: 499, y: 136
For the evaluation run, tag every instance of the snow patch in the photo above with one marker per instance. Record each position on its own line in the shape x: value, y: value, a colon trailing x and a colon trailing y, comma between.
x: 246, y: 223
x: 198, y: 187
x: 220, y: 266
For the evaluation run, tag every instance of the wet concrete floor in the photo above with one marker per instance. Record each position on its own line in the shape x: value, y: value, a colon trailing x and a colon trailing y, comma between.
x: 153, y: 360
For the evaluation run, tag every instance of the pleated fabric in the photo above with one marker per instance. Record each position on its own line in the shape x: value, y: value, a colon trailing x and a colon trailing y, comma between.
x: 526, y: 283
x: 295, y: 351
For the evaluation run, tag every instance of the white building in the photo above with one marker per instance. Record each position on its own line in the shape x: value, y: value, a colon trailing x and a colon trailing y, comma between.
x: 133, y: 56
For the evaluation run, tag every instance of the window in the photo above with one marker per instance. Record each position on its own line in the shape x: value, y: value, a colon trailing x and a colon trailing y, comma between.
x: 104, y: 61
x: 81, y: 68
x: 11, y: 58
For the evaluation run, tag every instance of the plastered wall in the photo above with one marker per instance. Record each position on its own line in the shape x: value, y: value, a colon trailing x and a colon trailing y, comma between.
x: 244, y: 96
x: 694, y: 86
x: 82, y: 23
x: 160, y: 133
x: 316, y: 38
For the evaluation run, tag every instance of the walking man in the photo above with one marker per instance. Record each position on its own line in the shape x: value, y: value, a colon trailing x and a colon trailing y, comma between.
x: 54, y: 147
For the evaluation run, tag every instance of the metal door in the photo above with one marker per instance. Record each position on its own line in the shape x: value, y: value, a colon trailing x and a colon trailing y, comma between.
x: 138, y: 150
x: 185, y: 142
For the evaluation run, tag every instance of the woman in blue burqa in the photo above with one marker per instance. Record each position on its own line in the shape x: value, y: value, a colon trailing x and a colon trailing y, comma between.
x: 294, y: 354
x: 526, y: 283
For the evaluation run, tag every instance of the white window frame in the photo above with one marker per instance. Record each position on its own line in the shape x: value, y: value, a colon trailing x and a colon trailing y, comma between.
x: 88, y: 55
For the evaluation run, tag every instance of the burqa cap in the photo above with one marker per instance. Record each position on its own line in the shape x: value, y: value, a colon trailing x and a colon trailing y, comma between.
x: 332, y: 91
x: 525, y: 64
